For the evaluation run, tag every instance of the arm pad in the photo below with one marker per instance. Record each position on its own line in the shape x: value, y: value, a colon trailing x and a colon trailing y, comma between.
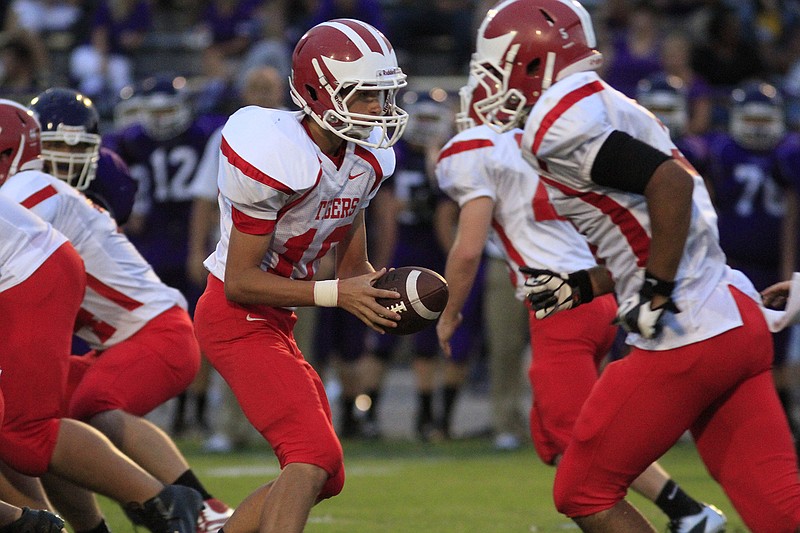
x: 626, y: 163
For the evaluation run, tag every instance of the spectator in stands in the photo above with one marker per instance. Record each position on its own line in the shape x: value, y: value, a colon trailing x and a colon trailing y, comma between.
x: 634, y: 51
x: 43, y: 17
x: 20, y: 67
x: 728, y: 56
x: 419, y: 25
x: 105, y: 64
x: 676, y: 61
x: 369, y: 11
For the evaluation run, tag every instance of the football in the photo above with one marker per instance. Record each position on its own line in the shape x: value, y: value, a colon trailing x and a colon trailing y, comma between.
x: 423, y: 297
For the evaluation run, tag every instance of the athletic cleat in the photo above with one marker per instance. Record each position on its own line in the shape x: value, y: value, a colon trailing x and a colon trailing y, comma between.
x: 213, y: 516
x: 709, y: 520
x: 174, y: 510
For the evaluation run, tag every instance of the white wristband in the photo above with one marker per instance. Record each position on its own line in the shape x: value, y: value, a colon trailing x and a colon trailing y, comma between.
x: 326, y: 293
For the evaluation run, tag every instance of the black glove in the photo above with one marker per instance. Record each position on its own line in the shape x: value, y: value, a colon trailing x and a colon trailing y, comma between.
x: 33, y: 521
x: 636, y: 315
x: 550, y: 292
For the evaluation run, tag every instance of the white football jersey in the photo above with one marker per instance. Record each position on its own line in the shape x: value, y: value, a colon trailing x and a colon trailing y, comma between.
x: 26, y: 242
x: 122, y: 293
x: 563, y: 135
x: 480, y: 162
x: 274, y: 179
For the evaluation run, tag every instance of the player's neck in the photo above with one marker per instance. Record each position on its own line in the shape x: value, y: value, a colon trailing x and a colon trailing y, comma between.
x: 329, y: 143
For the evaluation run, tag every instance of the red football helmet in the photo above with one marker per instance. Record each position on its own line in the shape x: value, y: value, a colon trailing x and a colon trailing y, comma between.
x: 523, y: 47
x: 20, y: 140
x: 335, y: 59
x: 468, y: 116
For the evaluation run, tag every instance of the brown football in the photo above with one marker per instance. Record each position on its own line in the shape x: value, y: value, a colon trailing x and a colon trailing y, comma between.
x: 423, y: 297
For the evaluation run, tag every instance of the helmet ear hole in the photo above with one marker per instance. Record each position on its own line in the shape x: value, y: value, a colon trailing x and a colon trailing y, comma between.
x: 533, y: 67
x: 312, y: 92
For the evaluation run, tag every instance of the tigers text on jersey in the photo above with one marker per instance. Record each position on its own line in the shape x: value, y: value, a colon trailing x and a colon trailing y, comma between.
x: 563, y: 134
x: 26, y: 242
x: 274, y: 179
x: 481, y: 162
x: 123, y: 293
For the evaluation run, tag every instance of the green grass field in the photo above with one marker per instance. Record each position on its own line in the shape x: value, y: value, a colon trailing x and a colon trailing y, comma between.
x: 454, y: 487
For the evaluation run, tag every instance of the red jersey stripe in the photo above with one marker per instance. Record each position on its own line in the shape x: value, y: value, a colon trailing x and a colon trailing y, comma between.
x: 251, y: 225
x: 101, y: 329
x: 369, y: 157
x: 465, y: 146
x: 561, y: 107
x: 634, y: 233
x: 251, y: 171
x: 39, y: 196
x: 112, y: 294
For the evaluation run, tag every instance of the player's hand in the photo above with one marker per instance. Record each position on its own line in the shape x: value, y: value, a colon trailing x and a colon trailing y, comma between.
x: 358, y: 296
x: 643, y: 312
x: 775, y: 296
x: 445, y: 329
x: 550, y: 292
x: 35, y: 521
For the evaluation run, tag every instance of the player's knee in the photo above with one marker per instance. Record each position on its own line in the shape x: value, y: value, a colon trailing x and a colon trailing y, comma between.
x: 333, y: 486
x: 569, y: 497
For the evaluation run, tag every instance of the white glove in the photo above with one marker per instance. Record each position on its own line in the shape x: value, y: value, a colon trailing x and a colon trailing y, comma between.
x: 636, y: 314
x: 550, y: 292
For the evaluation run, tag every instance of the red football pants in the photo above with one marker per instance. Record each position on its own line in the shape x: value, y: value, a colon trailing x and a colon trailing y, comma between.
x: 36, y: 331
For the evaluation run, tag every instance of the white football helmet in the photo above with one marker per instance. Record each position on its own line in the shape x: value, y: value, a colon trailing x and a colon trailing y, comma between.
x: 429, y: 122
x: 665, y: 97
x: 757, y: 117
x: 333, y: 61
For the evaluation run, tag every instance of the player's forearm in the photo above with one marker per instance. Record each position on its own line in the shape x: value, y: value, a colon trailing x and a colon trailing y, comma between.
x: 602, y: 282
x: 669, y: 202
x: 253, y: 286
x: 462, y: 267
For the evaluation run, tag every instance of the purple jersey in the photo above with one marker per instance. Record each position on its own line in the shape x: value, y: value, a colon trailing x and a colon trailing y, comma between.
x: 113, y: 187
x: 164, y: 171
x: 749, y: 194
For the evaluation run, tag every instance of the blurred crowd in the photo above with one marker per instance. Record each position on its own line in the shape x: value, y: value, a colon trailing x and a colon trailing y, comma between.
x: 104, y: 47
x: 209, y: 53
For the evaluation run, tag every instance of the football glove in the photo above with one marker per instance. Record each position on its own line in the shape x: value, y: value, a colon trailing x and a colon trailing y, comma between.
x: 550, y: 292
x: 635, y: 315
x: 33, y: 521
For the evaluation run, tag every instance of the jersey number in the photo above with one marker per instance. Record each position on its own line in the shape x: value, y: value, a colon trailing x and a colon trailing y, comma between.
x: 753, y: 179
x: 172, y: 173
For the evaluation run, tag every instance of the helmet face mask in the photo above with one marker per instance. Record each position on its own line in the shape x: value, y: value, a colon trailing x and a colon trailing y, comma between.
x: 70, y: 138
x: 478, y: 108
x: 523, y: 47
x: 430, y: 123
x: 160, y: 107
x: 341, y: 60
x: 757, y: 120
x: 20, y: 140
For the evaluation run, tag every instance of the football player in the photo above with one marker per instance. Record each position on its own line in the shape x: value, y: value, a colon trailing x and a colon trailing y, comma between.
x: 144, y: 350
x: 163, y: 144
x: 754, y: 178
x: 701, y: 349
x: 293, y: 186
x: 501, y: 197
x: 43, y: 276
x: 418, y: 226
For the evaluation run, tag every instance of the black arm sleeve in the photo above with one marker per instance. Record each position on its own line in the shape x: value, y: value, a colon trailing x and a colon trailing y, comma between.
x: 626, y: 163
